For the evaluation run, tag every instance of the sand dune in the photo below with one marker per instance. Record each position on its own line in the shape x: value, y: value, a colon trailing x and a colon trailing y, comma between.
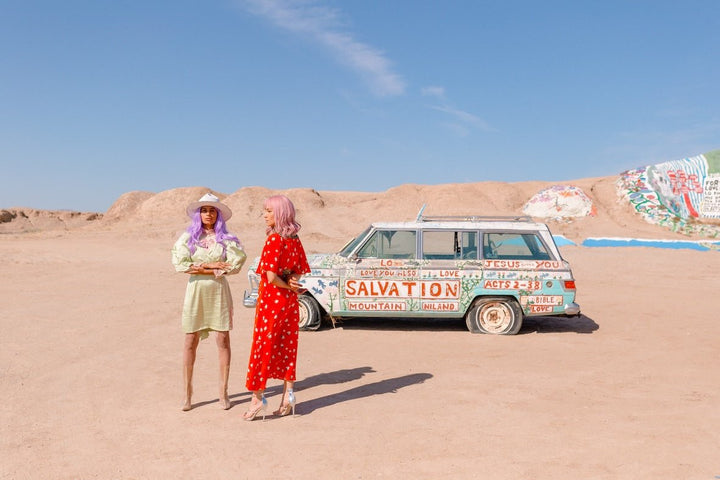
x: 336, y: 215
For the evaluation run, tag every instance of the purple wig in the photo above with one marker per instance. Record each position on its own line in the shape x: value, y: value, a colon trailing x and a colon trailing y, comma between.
x: 196, y: 230
x: 284, y: 212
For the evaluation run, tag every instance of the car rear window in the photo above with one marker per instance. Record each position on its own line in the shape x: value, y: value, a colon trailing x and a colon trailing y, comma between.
x: 515, y: 246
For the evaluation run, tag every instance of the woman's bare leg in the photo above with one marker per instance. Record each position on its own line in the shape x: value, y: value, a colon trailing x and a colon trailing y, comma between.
x: 189, y: 351
x: 224, y: 355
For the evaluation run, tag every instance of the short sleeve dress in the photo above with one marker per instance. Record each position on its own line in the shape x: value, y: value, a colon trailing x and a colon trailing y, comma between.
x: 208, y: 301
x: 275, y: 337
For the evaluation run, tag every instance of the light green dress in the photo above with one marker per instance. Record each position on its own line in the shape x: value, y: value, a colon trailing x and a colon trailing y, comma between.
x: 208, y: 301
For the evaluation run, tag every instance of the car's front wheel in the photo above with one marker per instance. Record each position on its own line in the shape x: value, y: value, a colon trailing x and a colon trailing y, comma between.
x: 494, y: 315
x: 310, y: 314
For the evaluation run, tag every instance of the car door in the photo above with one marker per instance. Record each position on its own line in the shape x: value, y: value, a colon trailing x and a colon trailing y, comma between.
x: 450, y: 270
x: 382, y: 279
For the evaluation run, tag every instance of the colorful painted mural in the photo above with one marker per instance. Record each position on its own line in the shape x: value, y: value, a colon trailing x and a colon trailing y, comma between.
x: 702, y: 245
x: 559, y: 201
x: 437, y: 287
x: 682, y: 195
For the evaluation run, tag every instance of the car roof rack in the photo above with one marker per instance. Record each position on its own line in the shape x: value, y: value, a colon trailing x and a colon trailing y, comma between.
x: 470, y: 218
x: 473, y: 218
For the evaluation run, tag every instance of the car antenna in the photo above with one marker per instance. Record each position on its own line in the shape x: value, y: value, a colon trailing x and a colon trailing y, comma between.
x: 419, y: 215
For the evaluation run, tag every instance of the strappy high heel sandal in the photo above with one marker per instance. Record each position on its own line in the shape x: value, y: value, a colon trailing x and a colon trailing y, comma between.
x: 251, y: 414
x: 286, y: 408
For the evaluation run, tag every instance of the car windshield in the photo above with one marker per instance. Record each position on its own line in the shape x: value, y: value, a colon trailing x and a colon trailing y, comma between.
x: 389, y: 244
x: 352, y: 244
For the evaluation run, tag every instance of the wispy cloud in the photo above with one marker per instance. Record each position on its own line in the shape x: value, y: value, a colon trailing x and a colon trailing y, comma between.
x: 433, y: 91
x: 322, y: 24
x: 461, y: 122
x: 465, y: 119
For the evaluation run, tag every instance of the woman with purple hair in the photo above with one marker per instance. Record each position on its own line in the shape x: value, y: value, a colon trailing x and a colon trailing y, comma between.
x: 275, y: 336
x: 207, y: 252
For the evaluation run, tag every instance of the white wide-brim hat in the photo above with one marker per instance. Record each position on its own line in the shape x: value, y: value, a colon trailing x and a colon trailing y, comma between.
x: 210, y: 200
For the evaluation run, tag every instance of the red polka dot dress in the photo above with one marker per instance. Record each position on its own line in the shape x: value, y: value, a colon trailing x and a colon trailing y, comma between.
x: 275, y: 337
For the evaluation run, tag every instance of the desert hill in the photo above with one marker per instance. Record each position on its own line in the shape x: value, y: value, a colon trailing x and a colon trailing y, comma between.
x: 327, y: 216
x: 17, y: 220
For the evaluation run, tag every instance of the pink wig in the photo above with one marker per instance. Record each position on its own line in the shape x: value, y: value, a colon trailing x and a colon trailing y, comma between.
x: 284, y: 212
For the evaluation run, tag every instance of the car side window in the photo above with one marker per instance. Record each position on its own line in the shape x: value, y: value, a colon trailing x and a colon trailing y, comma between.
x: 449, y: 245
x: 390, y: 244
x: 439, y: 245
x: 469, y: 245
x: 515, y: 246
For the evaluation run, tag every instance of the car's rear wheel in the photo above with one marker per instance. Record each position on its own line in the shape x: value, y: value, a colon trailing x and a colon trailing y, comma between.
x: 494, y: 315
x: 310, y: 314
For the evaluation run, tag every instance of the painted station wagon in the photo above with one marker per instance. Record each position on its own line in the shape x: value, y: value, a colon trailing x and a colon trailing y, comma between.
x: 493, y: 271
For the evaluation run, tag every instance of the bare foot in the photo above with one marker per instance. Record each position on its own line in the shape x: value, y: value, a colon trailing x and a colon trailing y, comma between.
x: 225, y: 402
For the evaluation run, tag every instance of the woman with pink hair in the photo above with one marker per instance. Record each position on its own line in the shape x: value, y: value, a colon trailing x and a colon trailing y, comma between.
x: 275, y: 337
x: 207, y: 252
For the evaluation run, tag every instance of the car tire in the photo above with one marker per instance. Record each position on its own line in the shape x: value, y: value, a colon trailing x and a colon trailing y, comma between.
x: 310, y: 317
x: 494, y: 315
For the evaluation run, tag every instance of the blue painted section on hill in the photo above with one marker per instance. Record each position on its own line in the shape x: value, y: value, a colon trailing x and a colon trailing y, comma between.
x: 561, y: 241
x: 638, y: 242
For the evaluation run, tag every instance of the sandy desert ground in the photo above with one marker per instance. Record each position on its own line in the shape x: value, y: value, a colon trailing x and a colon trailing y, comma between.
x: 90, y: 358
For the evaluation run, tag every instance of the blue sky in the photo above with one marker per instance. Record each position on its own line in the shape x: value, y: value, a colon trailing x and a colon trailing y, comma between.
x: 102, y: 97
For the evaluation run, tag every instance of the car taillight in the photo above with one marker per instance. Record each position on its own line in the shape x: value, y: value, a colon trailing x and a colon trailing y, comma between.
x: 569, y: 284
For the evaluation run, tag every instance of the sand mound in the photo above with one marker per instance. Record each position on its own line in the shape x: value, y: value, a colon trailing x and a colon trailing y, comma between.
x: 334, y: 214
x: 20, y: 220
x: 126, y: 205
x: 340, y: 215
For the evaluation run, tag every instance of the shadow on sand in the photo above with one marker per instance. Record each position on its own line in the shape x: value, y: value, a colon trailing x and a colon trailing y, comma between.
x: 580, y: 324
x: 391, y: 385
x: 404, y: 324
x: 545, y: 324
x: 549, y: 324
x: 331, y: 378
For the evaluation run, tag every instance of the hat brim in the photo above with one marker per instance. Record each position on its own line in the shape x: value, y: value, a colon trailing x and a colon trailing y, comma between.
x: 224, y: 209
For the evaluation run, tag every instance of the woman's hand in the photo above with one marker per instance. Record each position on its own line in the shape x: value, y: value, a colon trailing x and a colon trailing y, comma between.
x: 209, y: 268
x: 294, y: 283
x: 217, y: 265
x: 194, y: 269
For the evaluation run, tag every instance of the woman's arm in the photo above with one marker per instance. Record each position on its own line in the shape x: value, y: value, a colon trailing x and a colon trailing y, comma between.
x: 208, y: 268
x: 277, y: 280
x: 235, y: 257
x: 181, y: 256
